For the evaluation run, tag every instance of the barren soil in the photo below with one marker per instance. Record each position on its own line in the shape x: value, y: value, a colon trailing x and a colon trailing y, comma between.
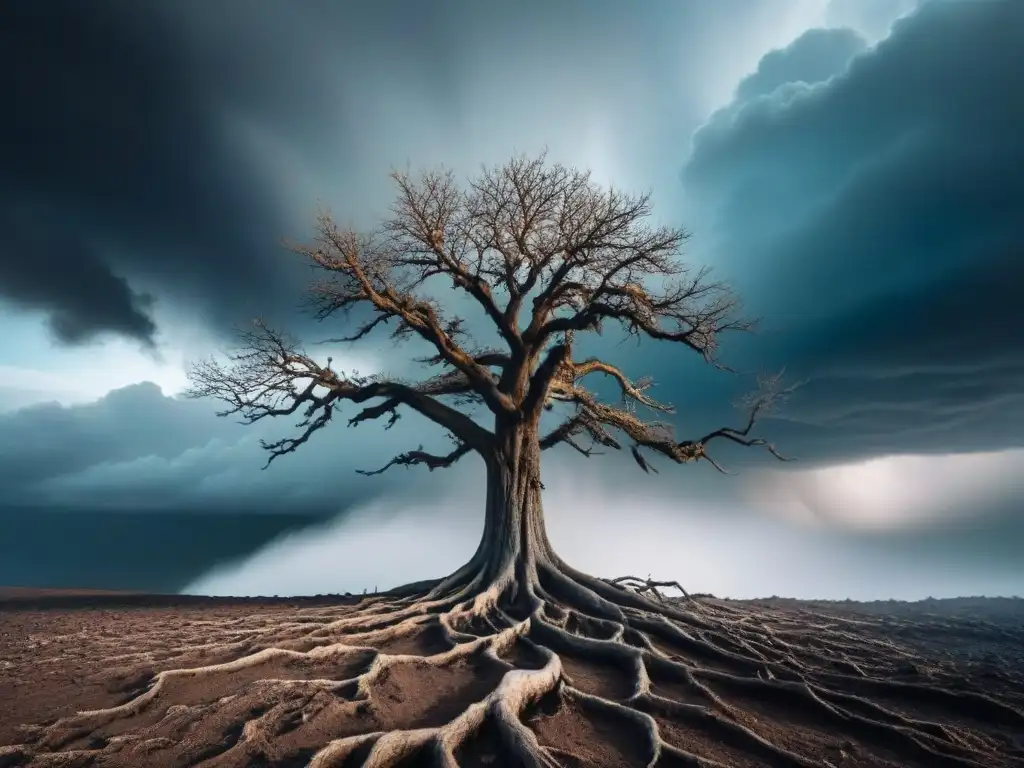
x: 65, y: 653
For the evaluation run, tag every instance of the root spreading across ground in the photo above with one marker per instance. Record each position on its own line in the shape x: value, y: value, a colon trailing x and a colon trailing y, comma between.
x: 566, y: 671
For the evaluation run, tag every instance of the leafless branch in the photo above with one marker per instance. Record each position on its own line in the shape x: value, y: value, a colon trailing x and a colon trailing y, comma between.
x: 658, y: 437
x: 691, y: 310
x: 375, y: 270
x: 271, y: 376
x: 584, y: 257
x: 419, y: 456
x: 570, y: 375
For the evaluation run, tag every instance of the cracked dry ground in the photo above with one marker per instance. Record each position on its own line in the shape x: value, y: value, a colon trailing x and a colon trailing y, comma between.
x: 294, y: 683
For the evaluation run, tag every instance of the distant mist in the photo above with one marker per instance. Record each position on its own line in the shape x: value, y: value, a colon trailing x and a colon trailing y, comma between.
x: 726, y: 548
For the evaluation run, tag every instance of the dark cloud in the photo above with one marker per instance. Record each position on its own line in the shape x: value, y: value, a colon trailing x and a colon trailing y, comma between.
x: 115, y: 176
x: 49, y: 441
x: 873, y: 220
x: 160, y: 551
x: 121, y: 493
x: 935, y: 368
x: 143, y: 491
x: 65, y: 278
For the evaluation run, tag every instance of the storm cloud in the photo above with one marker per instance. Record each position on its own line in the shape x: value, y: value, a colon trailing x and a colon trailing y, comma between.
x: 117, y: 182
x: 137, y: 449
x: 870, y: 213
x: 148, y: 491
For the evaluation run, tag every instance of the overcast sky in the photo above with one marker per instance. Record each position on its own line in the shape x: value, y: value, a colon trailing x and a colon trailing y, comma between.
x: 850, y: 166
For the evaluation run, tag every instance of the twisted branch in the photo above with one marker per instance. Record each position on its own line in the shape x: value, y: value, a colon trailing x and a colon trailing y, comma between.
x: 594, y: 418
x: 368, y: 270
x: 419, y: 456
x: 585, y: 254
x: 271, y: 376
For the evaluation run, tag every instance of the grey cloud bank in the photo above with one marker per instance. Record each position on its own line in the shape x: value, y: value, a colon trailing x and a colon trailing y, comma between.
x: 137, y: 449
x: 114, y: 181
x: 870, y: 213
x: 144, y: 491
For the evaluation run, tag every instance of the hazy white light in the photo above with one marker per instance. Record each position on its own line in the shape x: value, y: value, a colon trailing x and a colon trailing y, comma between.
x: 605, y: 528
x: 82, y: 375
x: 734, y: 56
x: 383, y: 544
x: 889, y: 492
x: 599, y: 527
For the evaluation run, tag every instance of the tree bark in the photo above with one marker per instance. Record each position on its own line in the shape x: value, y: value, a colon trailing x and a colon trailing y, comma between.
x: 514, y: 538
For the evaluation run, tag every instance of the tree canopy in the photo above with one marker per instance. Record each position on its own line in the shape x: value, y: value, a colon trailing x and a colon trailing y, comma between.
x: 546, y: 254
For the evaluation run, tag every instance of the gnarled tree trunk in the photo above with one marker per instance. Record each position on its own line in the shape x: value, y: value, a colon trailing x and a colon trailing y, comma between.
x: 514, y: 537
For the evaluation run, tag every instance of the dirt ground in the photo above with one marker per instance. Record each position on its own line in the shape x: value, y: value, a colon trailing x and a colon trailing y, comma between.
x: 63, y: 652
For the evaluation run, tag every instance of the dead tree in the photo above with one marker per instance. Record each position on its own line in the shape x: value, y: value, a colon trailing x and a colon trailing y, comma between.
x: 547, y: 256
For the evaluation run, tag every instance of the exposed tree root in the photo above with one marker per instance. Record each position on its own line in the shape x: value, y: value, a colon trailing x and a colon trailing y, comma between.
x: 555, y: 670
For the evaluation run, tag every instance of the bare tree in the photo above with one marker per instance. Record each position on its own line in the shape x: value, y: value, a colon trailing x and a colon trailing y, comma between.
x: 547, y: 255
